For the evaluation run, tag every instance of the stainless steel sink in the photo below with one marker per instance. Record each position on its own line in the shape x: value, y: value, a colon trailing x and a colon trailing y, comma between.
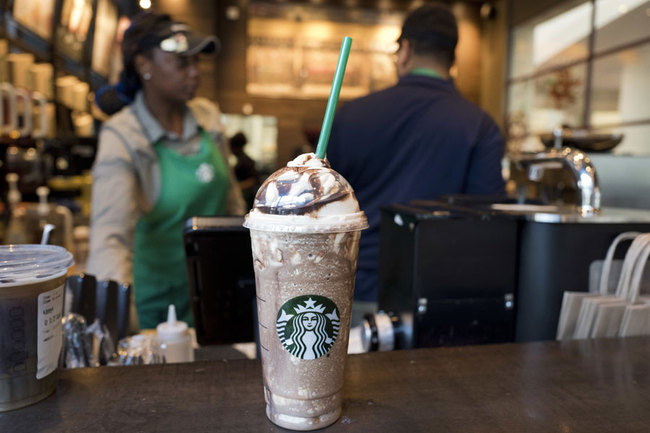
x: 571, y: 214
x: 524, y: 208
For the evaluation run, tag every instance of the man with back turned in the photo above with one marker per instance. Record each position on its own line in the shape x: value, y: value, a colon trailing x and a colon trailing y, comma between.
x: 419, y: 139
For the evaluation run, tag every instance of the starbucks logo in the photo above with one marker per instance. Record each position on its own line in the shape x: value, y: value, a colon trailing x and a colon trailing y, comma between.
x: 205, y: 172
x: 308, y: 326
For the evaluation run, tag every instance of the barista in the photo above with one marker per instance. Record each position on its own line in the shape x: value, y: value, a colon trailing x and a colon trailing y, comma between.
x: 161, y: 159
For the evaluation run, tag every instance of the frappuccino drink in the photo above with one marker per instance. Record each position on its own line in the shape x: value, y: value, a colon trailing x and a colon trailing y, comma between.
x: 305, y: 228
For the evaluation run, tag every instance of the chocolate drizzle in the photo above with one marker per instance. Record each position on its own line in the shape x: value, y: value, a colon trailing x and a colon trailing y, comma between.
x: 299, y: 196
x: 283, y: 187
x: 303, y: 210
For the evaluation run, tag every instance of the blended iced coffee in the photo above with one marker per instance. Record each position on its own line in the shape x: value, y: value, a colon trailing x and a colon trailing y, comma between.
x: 32, y: 279
x: 305, y: 228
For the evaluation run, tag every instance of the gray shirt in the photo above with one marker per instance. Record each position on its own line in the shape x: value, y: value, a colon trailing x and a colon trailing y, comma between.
x: 126, y: 178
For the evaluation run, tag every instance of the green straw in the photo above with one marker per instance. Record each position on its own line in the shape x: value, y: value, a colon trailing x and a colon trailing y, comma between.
x: 334, y: 98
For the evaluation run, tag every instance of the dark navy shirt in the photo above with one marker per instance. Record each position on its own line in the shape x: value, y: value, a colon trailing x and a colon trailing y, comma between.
x: 419, y: 139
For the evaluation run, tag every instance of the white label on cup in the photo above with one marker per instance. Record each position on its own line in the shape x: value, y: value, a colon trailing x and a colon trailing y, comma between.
x: 48, y: 348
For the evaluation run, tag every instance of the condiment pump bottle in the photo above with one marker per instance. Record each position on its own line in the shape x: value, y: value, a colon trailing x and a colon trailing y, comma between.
x: 174, y: 339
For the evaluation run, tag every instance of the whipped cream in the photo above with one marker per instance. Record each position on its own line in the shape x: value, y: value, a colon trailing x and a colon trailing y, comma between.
x: 306, y: 192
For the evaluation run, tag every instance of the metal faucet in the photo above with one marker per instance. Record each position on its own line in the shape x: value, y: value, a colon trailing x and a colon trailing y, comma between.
x: 570, y: 159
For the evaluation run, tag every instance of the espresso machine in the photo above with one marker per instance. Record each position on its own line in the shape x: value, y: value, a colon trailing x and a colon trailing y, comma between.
x: 481, y: 269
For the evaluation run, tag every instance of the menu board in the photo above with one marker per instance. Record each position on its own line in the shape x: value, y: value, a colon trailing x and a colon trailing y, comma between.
x: 293, y: 51
x: 72, y: 30
x: 270, y: 65
x: 35, y: 15
x: 104, y: 37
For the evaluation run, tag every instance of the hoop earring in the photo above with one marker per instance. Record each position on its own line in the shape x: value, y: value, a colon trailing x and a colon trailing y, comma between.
x: 146, y: 76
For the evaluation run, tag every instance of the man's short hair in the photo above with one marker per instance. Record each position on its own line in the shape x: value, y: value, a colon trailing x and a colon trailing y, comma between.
x: 238, y: 141
x: 432, y: 30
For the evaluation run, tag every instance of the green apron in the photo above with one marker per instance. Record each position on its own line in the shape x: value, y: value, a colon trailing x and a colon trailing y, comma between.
x: 192, y: 185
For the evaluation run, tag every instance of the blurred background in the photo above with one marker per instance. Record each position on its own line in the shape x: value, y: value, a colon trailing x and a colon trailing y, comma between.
x: 531, y: 64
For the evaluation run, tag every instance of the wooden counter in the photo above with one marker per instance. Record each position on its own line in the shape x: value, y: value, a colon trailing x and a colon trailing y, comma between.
x: 579, y: 386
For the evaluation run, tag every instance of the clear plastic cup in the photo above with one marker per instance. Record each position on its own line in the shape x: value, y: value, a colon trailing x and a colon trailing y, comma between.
x: 32, y: 280
x: 305, y: 229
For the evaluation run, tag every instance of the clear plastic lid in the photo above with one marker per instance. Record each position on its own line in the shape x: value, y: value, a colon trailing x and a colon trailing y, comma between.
x: 20, y: 264
x: 306, y: 196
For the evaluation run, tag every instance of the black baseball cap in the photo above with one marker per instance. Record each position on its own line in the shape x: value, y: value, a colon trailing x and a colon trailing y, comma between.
x: 177, y: 37
x: 433, y: 23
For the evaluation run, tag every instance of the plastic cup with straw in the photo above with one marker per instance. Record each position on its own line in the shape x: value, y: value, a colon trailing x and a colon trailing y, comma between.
x: 324, y: 137
x: 305, y: 230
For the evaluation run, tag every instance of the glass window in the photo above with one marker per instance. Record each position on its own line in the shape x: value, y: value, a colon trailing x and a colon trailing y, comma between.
x: 545, y: 91
x: 554, y: 40
x: 262, y: 135
x: 520, y: 105
x: 621, y: 87
x: 537, y: 106
x: 620, y: 22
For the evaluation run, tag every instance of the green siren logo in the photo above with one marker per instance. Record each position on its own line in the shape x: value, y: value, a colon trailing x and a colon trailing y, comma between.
x: 308, y: 326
